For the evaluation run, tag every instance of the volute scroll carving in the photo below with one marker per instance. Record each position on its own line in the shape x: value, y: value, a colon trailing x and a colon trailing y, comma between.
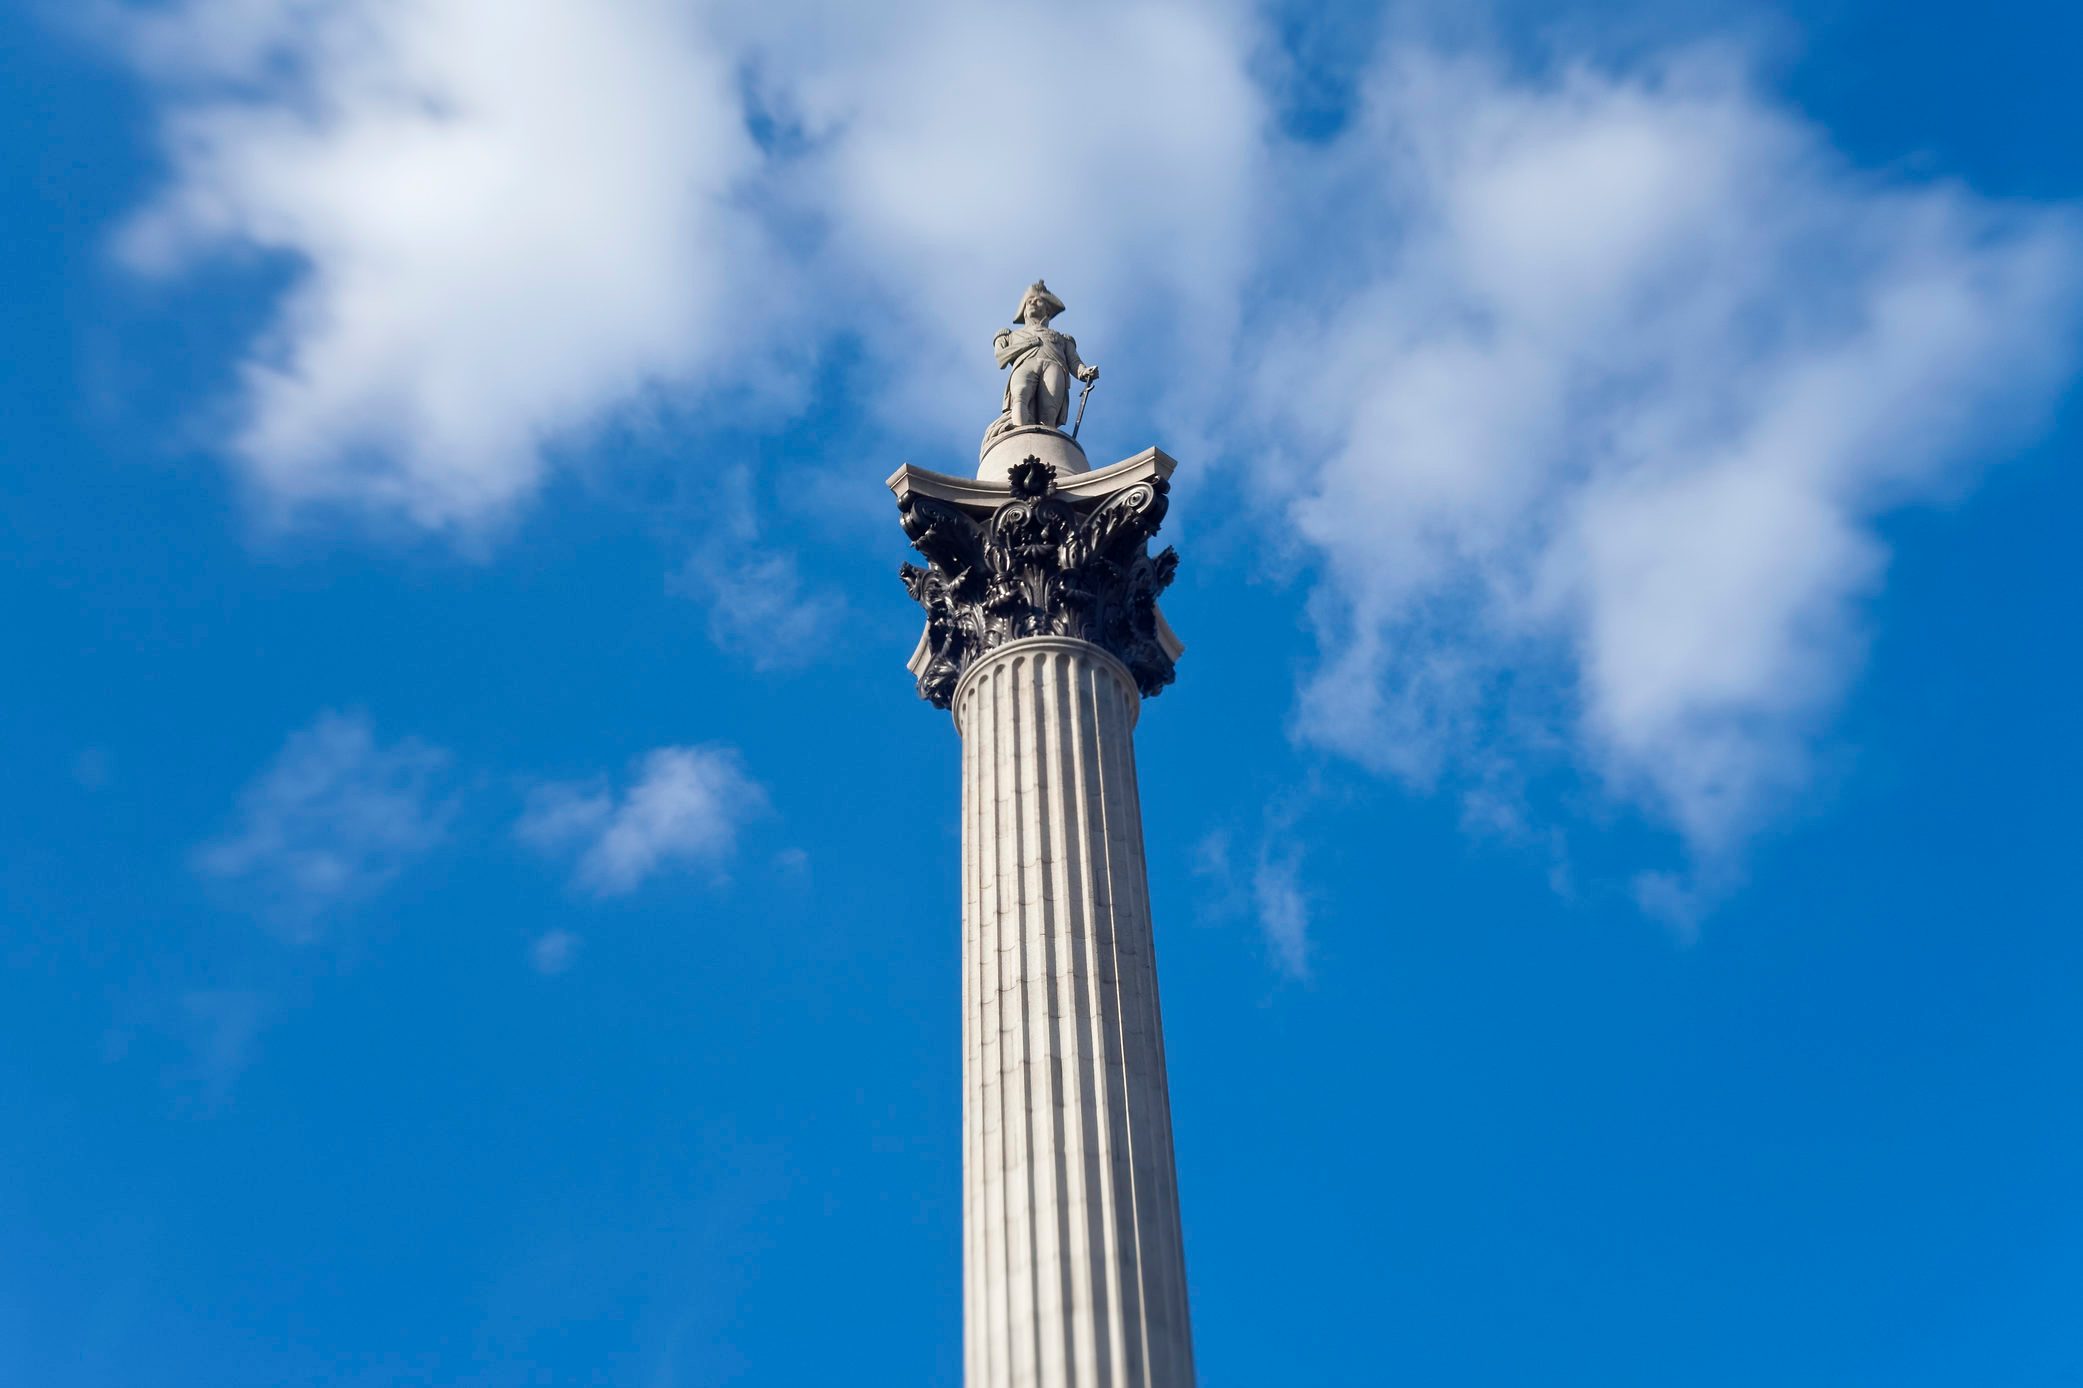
x: 1040, y: 564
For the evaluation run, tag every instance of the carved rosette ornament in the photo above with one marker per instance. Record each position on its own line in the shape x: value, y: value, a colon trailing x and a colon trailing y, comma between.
x: 1042, y: 563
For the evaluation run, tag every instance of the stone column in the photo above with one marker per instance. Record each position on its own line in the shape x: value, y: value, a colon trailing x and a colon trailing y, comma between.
x: 1074, y: 1271
x: 1043, y: 637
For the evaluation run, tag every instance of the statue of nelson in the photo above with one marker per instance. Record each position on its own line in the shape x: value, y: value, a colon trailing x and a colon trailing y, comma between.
x: 1043, y: 361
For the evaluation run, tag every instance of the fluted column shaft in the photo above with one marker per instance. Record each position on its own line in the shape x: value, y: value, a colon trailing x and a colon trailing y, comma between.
x: 1074, y: 1272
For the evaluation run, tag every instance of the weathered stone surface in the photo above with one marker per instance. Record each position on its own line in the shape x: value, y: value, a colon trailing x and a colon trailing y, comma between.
x: 1039, y: 555
x: 1049, y: 444
x: 1074, y: 1274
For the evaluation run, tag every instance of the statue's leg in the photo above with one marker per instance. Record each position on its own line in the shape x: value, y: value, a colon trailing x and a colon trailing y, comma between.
x: 1022, y: 392
x: 1052, y: 405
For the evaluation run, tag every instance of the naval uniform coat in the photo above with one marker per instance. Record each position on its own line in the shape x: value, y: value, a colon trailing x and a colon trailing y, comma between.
x: 1043, y: 362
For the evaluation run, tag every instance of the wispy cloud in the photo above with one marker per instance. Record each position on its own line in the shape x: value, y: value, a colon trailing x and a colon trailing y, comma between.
x: 759, y: 604
x: 222, y: 1027
x: 682, y: 807
x: 334, y: 818
x: 1283, y: 910
x: 1269, y: 889
x: 553, y: 952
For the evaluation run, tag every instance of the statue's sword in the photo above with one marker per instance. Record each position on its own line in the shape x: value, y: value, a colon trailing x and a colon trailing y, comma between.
x: 1079, y: 422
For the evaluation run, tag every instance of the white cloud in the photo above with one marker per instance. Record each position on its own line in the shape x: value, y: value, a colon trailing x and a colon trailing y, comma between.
x: 1583, y: 391
x: 682, y: 808
x: 1593, y: 431
x: 953, y: 159
x: 332, y: 820
x: 507, y: 219
x: 503, y: 216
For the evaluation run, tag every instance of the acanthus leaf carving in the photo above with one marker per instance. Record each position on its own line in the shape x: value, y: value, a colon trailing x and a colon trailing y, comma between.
x: 1039, y: 565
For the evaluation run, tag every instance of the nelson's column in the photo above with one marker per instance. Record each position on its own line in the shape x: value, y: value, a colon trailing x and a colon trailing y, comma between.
x: 1043, y: 637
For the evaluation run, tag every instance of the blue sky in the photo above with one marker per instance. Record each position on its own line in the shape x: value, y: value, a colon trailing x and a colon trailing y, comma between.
x: 478, y: 884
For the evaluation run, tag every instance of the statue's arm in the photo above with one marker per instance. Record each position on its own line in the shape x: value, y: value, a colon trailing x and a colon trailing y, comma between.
x: 1008, y: 344
x: 1079, y: 367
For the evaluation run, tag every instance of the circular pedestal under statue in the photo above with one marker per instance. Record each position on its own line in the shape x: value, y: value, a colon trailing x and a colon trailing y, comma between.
x: 1042, y: 441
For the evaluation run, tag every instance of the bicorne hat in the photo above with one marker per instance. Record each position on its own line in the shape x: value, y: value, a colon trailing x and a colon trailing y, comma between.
x: 1048, y: 297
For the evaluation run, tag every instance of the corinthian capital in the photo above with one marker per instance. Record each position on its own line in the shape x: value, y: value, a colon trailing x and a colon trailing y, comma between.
x: 1039, y: 555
